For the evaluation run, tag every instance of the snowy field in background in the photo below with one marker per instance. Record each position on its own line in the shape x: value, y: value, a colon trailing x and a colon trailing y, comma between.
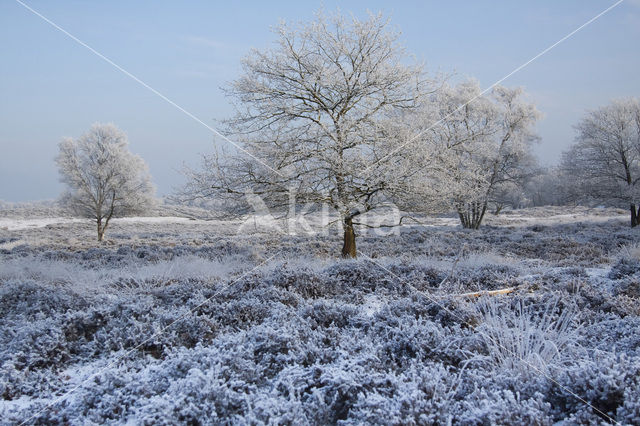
x: 17, y: 224
x: 179, y: 318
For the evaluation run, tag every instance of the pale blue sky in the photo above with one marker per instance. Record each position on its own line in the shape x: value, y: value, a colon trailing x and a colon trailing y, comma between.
x: 51, y: 87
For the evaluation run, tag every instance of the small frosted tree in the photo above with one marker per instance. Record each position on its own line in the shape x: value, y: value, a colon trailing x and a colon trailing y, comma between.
x: 104, y: 179
x: 319, y: 110
x: 604, y: 163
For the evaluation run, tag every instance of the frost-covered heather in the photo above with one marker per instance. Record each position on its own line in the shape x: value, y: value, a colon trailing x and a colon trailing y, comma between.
x: 188, y: 322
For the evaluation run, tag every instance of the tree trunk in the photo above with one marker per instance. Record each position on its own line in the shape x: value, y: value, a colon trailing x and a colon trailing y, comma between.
x: 483, y: 210
x: 634, y: 215
x: 471, y: 215
x: 463, y: 218
x: 100, y: 230
x: 349, y: 247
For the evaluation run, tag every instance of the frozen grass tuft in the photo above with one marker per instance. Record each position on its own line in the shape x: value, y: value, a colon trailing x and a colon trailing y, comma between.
x: 522, y: 337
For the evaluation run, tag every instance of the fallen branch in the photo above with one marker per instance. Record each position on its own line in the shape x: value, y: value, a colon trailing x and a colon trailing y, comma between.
x: 488, y: 293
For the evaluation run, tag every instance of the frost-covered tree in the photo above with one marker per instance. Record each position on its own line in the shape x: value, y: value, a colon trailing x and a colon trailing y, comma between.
x: 474, y: 147
x: 511, y: 195
x: 319, y: 111
x: 604, y: 163
x: 513, y: 192
x: 103, y: 177
x: 549, y: 187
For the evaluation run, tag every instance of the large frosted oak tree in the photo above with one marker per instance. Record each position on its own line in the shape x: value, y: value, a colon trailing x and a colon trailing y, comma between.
x: 318, y: 111
x: 104, y: 179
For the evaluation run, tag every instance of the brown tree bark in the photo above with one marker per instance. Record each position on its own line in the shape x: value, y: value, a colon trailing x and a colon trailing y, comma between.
x: 634, y: 215
x: 100, y: 230
x: 349, y: 246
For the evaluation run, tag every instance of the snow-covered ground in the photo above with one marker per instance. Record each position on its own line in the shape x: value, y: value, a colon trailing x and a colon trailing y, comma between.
x: 185, y: 320
x: 17, y: 224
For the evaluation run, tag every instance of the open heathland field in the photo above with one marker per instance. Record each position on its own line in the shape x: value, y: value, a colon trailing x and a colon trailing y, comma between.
x: 176, y: 319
